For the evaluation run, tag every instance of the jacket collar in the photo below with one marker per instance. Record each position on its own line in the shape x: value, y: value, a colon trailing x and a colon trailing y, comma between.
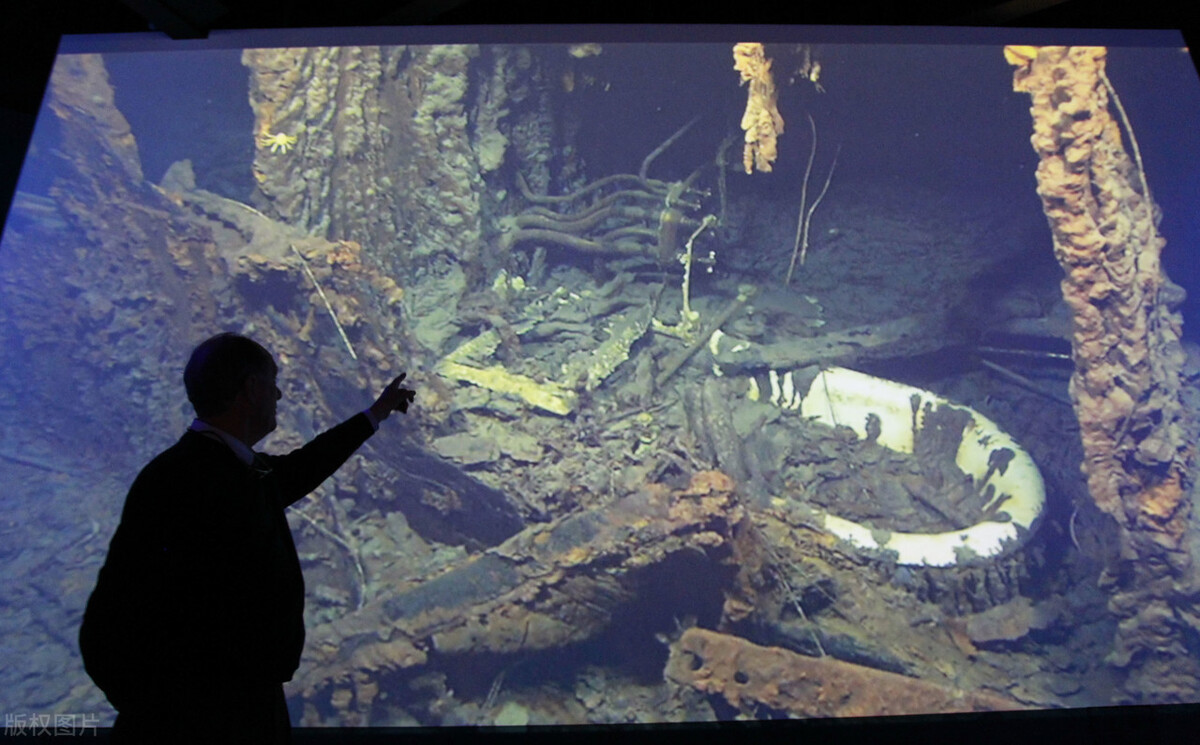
x: 243, y: 453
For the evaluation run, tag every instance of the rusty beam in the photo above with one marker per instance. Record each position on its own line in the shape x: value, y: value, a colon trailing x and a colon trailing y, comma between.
x: 750, y: 677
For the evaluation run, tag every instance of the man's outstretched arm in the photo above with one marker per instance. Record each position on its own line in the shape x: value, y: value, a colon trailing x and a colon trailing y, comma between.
x: 302, y: 470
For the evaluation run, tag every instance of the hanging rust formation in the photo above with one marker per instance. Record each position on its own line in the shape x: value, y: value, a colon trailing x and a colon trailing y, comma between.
x: 1128, y: 358
x: 761, y: 121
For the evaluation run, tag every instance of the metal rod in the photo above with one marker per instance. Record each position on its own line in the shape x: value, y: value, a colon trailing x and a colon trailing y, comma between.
x: 659, y: 150
x: 1025, y: 353
x: 1024, y: 382
x: 312, y: 278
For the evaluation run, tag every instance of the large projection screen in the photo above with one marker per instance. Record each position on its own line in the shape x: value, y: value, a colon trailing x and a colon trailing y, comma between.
x: 763, y: 373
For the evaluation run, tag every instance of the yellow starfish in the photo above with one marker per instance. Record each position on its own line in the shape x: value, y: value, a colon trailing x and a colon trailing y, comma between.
x: 279, y: 143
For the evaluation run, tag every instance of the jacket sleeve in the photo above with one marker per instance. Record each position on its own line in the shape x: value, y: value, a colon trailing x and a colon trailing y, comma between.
x: 304, y: 469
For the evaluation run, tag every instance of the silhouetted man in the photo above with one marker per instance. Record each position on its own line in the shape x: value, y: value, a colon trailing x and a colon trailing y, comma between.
x: 197, y: 616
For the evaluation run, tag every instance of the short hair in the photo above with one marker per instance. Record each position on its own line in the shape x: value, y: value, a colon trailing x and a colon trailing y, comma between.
x: 217, y: 369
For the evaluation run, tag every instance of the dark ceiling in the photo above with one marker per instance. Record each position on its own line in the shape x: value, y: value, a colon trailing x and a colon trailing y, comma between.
x: 31, y: 29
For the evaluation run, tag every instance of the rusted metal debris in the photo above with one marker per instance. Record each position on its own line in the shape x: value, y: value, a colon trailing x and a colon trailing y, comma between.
x: 750, y: 677
x: 550, y: 585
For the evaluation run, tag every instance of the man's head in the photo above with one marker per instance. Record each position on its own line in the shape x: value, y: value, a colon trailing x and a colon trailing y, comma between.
x: 230, y: 375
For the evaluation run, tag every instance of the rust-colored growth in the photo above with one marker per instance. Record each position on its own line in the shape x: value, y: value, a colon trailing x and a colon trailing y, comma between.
x: 749, y: 676
x: 761, y: 120
x: 705, y: 483
x: 1128, y: 358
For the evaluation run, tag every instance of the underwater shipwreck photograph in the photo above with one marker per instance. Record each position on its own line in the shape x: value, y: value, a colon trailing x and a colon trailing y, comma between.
x: 755, y: 379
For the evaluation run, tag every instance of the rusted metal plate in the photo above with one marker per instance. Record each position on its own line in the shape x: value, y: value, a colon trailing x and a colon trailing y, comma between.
x: 750, y: 676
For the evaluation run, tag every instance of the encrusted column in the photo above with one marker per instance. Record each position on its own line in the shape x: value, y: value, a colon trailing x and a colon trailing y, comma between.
x: 1126, y: 385
x: 372, y: 145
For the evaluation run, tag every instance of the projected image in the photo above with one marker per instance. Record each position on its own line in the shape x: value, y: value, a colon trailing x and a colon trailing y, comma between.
x: 753, y: 380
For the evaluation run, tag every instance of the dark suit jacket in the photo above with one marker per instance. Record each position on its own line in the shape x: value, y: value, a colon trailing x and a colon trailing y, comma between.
x: 202, y: 589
